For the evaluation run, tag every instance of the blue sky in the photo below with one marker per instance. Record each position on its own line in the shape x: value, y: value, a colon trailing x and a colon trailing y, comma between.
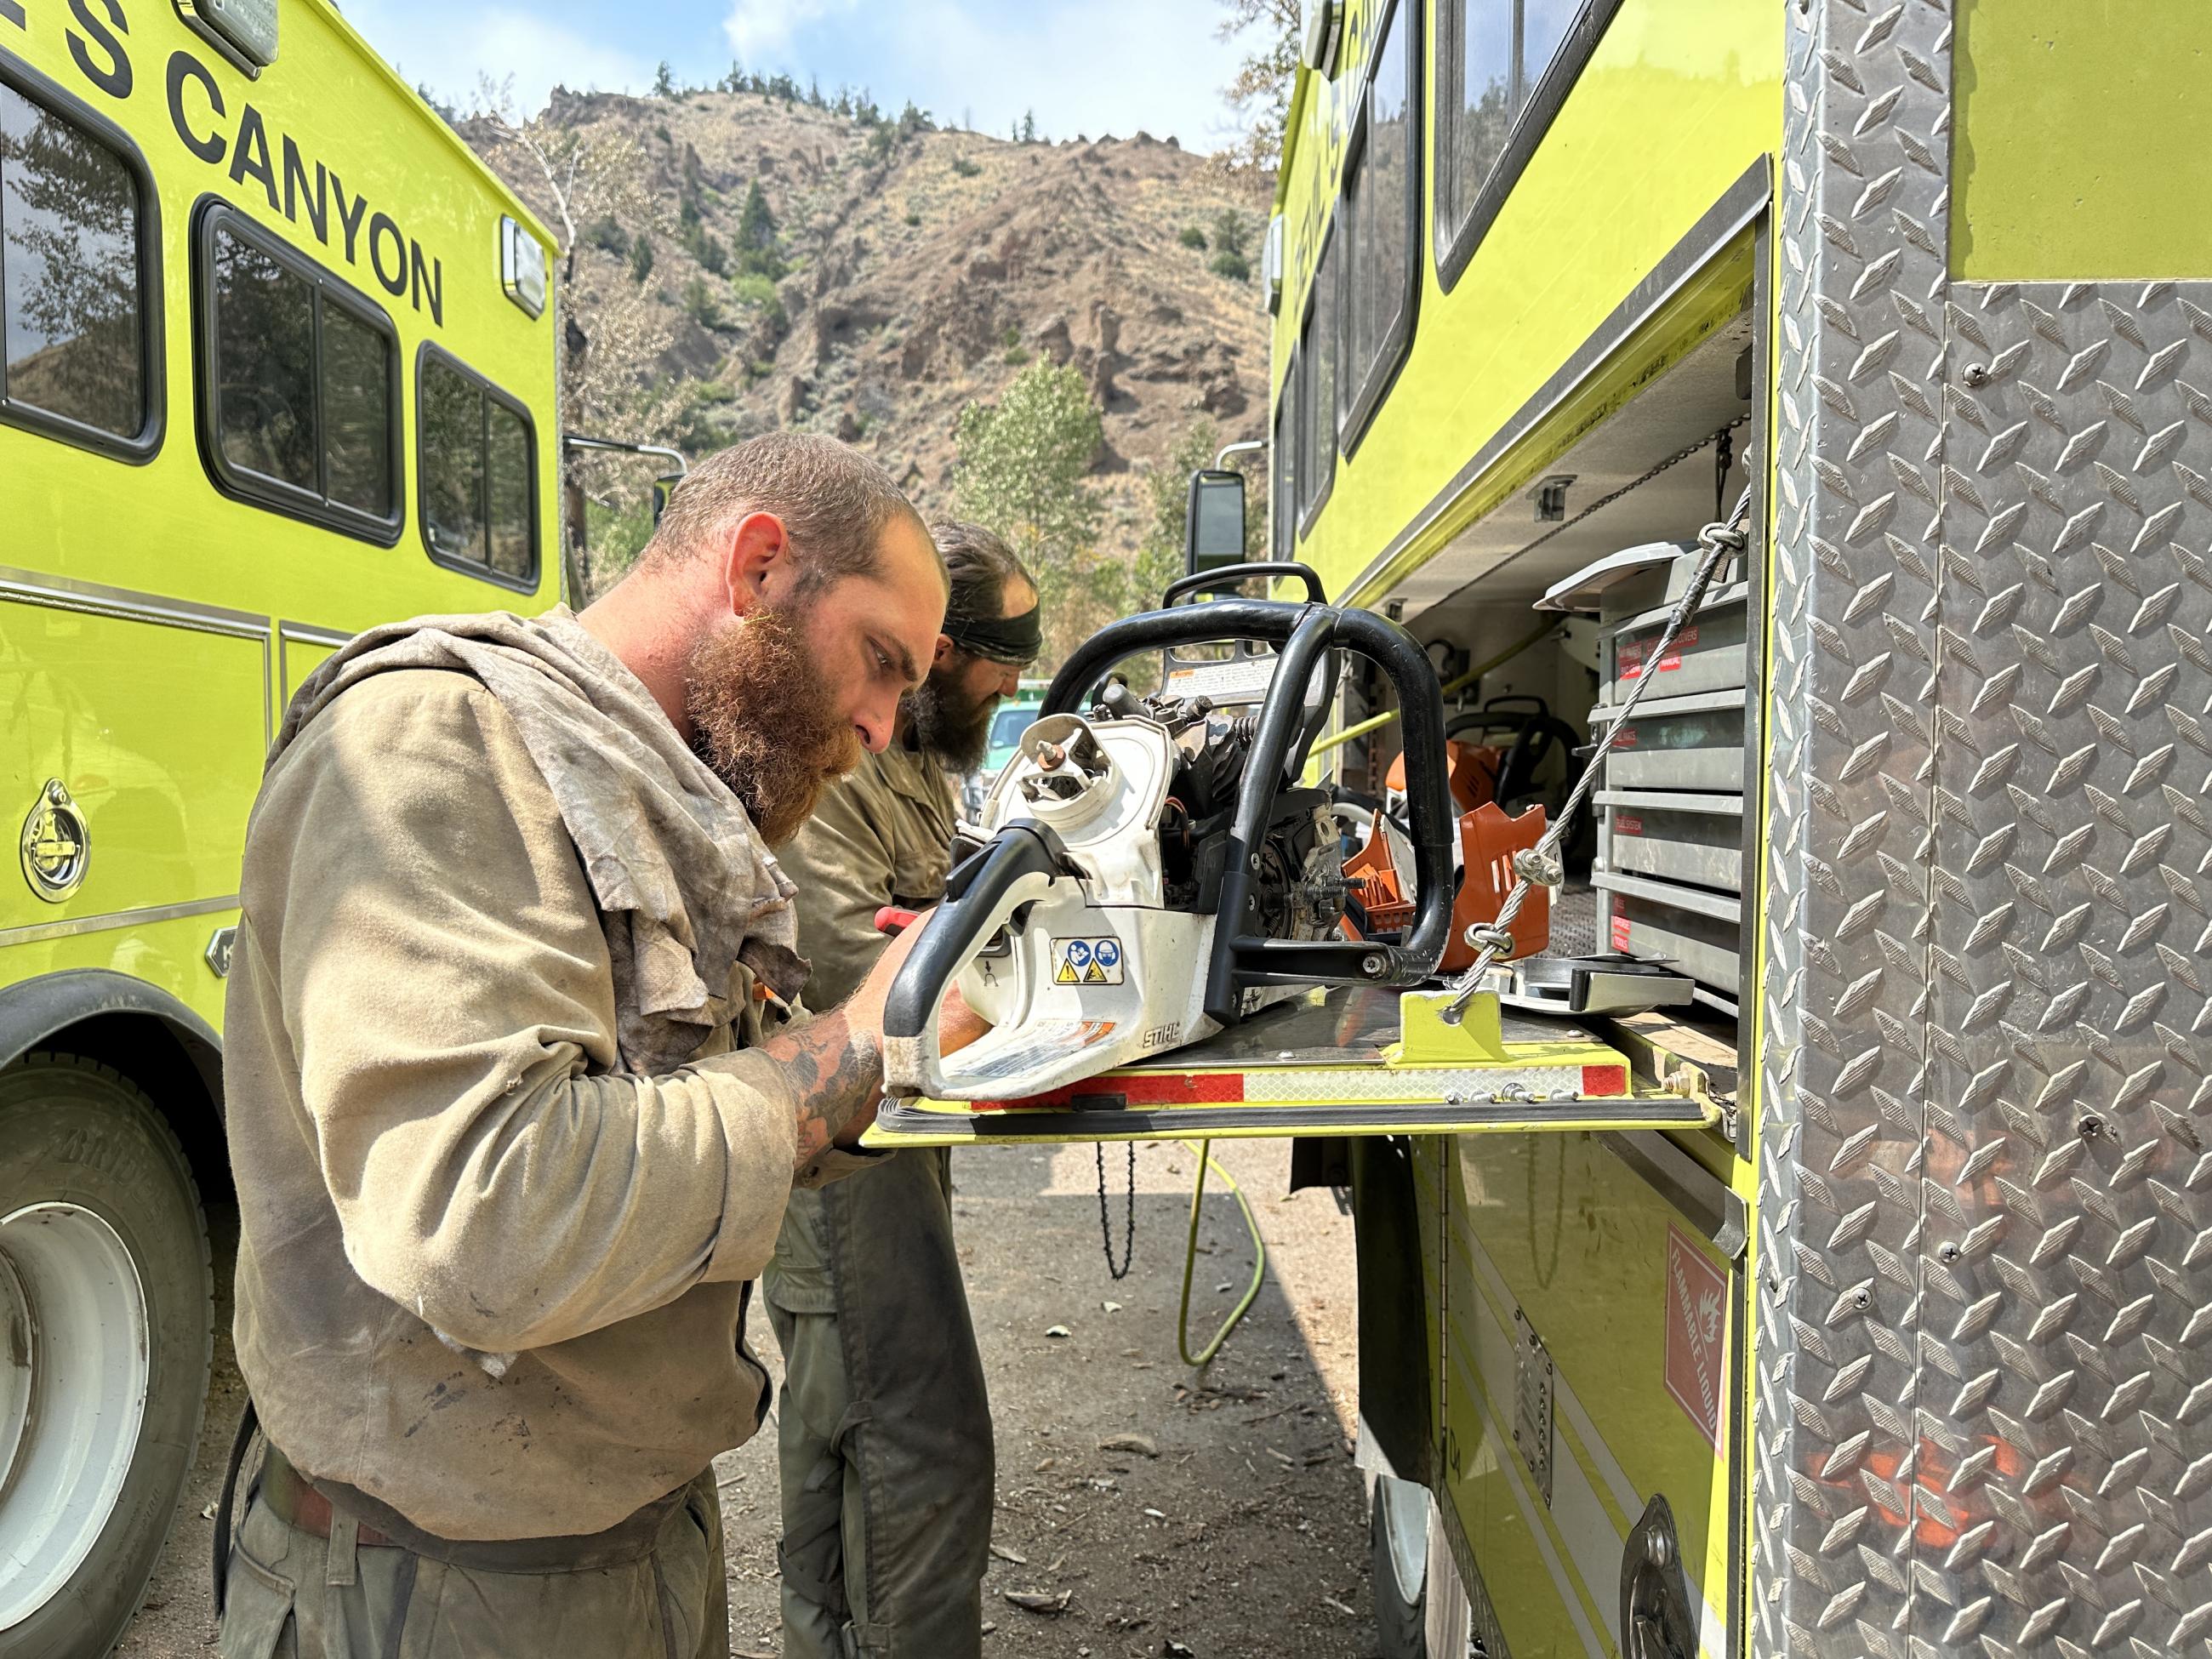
x: 1085, y: 66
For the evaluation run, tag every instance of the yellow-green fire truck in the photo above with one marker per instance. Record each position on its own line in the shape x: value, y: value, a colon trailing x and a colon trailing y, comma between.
x: 1872, y: 1316
x: 279, y: 363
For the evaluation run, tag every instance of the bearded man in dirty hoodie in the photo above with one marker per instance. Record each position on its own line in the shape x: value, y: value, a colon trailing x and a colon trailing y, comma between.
x: 515, y: 1102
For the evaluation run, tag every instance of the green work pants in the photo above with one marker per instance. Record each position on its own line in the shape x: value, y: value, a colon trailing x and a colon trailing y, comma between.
x: 291, y: 1594
x: 884, y: 1432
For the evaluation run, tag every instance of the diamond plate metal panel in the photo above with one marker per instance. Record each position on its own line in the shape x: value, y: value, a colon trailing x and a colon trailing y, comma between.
x: 2065, y: 1492
x: 1837, y: 1552
x: 1984, y: 1269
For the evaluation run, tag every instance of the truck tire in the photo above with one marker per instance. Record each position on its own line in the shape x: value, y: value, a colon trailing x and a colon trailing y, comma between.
x: 107, y: 1324
x: 1398, y: 1548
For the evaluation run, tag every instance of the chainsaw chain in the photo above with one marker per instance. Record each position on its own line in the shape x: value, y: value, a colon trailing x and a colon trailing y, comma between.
x: 1129, y: 1220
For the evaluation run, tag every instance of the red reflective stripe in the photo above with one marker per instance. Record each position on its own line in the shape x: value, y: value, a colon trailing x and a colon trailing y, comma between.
x: 1138, y: 1089
x: 1600, y: 1081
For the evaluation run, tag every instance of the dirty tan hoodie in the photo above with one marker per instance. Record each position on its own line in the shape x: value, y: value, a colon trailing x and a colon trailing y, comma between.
x: 492, y: 1272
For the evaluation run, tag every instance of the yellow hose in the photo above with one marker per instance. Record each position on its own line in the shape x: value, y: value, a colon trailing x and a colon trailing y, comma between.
x: 1205, y: 1356
x: 1377, y: 722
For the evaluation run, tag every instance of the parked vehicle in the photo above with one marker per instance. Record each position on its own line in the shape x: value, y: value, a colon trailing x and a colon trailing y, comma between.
x: 1007, y: 726
x: 279, y: 363
x: 1901, y: 1351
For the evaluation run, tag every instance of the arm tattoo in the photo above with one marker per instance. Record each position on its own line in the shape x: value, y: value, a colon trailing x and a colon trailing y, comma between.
x: 836, y: 1071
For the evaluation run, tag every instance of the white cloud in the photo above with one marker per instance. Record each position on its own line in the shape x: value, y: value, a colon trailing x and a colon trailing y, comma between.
x: 451, y: 53
x: 762, y: 30
x: 1082, y: 66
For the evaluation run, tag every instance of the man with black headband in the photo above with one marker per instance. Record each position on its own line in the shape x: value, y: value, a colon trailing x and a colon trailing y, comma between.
x: 884, y: 1435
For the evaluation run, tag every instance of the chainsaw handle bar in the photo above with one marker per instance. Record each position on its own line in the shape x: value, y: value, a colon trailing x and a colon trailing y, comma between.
x: 1223, y: 576
x: 1305, y: 634
x: 963, y: 920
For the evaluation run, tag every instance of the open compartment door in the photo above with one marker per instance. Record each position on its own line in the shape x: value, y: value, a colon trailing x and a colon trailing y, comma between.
x: 1353, y: 1061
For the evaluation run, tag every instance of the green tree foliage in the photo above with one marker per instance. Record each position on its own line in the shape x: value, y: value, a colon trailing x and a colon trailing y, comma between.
x: 1232, y: 244
x: 1192, y: 236
x: 1024, y: 471
x: 1028, y: 126
x: 701, y: 305
x: 617, y: 534
x: 1167, y: 498
x: 759, y: 252
x: 966, y: 168
x: 607, y: 234
x: 641, y: 260
x: 664, y: 82
x: 1261, y: 92
x: 753, y: 290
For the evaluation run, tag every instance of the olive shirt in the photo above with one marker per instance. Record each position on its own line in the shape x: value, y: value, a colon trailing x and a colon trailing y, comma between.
x: 882, y: 833
x: 486, y: 1276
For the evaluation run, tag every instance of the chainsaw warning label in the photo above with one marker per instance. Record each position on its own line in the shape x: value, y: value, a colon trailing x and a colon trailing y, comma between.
x: 1697, y: 1334
x: 1086, y: 961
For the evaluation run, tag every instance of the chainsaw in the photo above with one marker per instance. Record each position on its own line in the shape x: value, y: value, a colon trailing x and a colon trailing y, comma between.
x: 1152, y: 869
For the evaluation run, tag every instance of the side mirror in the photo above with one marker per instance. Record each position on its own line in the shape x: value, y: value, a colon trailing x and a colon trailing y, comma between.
x: 662, y: 489
x: 1213, y: 525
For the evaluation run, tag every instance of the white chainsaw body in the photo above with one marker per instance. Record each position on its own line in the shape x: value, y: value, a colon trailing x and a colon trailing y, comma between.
x: 1082, y: 972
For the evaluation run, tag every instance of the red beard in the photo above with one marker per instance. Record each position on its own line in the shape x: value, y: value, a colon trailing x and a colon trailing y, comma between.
x: 765, y: 718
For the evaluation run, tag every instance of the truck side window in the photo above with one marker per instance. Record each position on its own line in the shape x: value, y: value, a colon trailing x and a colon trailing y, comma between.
x: 75, y: 275
x: 1495, y: 60
x: 1317, y: 354
x: 479, y: 474
x: 1283, y: 511
x: 1381, y: 213
x: 299, y: 405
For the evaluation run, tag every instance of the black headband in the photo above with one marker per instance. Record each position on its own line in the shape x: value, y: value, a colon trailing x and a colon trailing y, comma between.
x: 1002, y: 638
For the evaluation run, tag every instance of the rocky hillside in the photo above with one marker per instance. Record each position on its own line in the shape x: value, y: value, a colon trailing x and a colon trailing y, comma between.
x: 884, y: 273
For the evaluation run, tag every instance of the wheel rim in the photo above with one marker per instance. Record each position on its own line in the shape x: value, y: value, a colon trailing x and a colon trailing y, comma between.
x: 1401, y: 1508
x: 73, y: 1370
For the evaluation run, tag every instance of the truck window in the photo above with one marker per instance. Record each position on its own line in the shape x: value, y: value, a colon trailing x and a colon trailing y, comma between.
x: 1382, y: 216
x: 1317, y: 352
x: 300, y: 406
x: 479, y: 474
x: 1497, y: 85
x: 1282, y: 511
x: 76, y: 274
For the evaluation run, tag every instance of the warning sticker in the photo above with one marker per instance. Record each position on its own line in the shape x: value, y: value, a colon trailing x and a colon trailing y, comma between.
x: 1086, y: 961
x: 1632, y: 654
x: 1697, y: 1334
x: 1620, y: 933
x: 1244, y: 679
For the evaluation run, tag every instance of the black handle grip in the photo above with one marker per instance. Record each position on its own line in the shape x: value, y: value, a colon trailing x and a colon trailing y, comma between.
x: 1242, y: 959
x: 961, y: 919
x: 1268, y: 620
x: 1212, y: 581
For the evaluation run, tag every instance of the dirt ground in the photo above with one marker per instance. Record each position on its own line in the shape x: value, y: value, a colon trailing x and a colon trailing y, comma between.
x: 1243, y: 1538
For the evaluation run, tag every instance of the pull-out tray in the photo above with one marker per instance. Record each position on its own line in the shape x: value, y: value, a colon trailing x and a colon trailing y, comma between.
x: 1348, y: 1062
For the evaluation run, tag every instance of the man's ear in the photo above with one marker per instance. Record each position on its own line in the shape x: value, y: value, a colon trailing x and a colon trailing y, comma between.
x: 943, y: 654
x: 758, y: 551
